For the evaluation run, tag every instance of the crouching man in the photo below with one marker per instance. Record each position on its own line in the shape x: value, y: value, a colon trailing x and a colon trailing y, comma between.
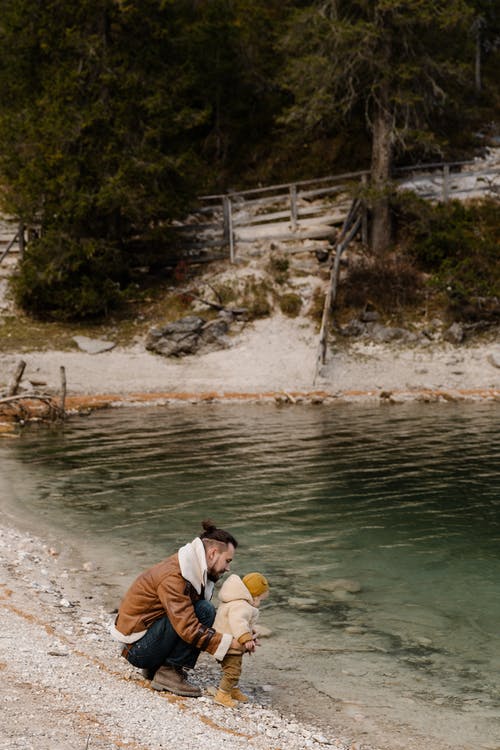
x: 166, y: 617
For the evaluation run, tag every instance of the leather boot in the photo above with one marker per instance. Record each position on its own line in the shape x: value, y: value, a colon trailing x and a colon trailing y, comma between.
x: 174, y: 680
x: 237, y: 695
x: 224, y: 699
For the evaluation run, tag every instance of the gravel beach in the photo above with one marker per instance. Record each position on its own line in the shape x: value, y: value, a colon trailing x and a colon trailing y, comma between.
x: 66, y: 688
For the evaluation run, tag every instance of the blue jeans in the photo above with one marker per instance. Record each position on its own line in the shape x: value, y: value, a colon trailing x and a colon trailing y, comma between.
x: 161, y: 644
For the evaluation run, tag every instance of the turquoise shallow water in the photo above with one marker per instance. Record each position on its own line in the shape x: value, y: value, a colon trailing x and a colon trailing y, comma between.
x: 402, y: 501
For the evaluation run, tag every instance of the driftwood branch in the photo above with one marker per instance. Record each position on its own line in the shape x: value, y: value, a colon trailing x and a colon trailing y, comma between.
x: 63, y: 390
x: 21, y: 401
x: 217, y: 306
x: 47, y: 400
x: 14, y: 386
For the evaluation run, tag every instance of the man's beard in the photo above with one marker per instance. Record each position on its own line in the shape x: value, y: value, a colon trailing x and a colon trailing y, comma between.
x: 213, y: 576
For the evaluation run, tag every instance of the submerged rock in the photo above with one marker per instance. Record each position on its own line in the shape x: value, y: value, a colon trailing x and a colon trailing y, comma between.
x: 263, y: 631
x: 342, y: 584
x: 302, y: 603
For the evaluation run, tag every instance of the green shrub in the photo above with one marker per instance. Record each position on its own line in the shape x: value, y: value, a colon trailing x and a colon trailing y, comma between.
x: 389, y: 283
x: 457, y: 242
x: 458, y: 245
x: 62, y: 278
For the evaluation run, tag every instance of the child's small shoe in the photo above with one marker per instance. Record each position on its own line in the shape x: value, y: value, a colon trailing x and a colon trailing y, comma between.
x: 224, y: 699
x: 237, y: 695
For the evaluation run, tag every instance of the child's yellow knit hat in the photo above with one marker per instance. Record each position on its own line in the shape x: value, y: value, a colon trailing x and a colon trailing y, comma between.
x: 256, y: 583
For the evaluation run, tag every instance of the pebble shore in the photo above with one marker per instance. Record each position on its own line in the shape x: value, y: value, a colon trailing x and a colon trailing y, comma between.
x: 65, y: 687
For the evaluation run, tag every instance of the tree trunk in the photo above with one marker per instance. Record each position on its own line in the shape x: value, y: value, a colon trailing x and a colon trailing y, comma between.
x: 477, y: 65
x: 382, y: 140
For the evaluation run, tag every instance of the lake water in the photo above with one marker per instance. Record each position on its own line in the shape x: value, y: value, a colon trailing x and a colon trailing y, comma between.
x: 402, y: 501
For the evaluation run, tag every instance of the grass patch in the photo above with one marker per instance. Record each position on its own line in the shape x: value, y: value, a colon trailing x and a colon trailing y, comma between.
x: 290, y: 304
x: 317, y: 305
x: 278, y: 268
x: 22, y: 332
x: 256, y: 298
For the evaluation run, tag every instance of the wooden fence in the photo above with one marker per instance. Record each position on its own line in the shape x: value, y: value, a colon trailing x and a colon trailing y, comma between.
x: 11, y: 239
x: 307, y: 209
x: 312, y: 209
x: 447, y: 181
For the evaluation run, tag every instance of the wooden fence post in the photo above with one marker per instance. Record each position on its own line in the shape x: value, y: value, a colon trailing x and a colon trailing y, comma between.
x: 228, y: 225
x: 225, y: 219
x: 20, y: 241
x: 364, y: 219
x: 293, y: 206
x: 446, y: 183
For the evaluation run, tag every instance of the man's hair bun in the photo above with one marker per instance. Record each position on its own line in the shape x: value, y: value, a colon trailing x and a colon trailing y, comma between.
x: 208, y: 526
x: 212, y: 533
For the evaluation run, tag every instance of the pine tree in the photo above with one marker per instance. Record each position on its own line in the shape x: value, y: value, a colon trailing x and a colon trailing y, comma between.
x: 394, y: 59
x: 96, y: 112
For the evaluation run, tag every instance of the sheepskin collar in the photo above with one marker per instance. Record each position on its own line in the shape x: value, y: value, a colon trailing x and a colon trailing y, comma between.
x: 193, y: 565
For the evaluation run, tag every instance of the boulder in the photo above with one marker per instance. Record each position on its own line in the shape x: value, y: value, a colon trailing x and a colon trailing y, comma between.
x: 188, y: 336
x: 214, y: 331
x: 454, y: 334
x: 384, y: 334
x: 494, y: 358
x: 353, y: 328
x: 369, y: 316
x: 93, y: 346
x: 367, y: 327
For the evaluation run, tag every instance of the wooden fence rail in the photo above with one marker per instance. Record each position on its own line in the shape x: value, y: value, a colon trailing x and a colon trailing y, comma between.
x: 15, y: 243
x: 288, y: 211
x: 313, y: 208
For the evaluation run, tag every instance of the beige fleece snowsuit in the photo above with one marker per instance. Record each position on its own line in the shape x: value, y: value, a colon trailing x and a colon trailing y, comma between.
x: 236, y: 615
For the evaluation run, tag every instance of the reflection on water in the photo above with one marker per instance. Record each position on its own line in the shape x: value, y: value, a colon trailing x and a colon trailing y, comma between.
x: 400, y: 501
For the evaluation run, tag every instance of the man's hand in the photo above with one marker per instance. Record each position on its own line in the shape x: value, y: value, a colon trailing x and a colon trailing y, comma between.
x: 250, y: 646
x: 237, y: 645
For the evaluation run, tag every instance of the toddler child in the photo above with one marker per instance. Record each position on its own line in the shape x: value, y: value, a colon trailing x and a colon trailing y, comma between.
x: 239, y: 601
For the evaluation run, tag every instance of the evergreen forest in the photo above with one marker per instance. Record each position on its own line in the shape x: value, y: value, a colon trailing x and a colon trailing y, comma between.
x: 116, y: 114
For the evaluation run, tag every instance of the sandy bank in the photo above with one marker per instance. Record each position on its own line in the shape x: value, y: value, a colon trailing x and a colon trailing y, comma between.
x: 270, y: 359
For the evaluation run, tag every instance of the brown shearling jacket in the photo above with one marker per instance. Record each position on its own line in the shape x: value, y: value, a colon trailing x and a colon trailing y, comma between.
x: 163, y: 590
